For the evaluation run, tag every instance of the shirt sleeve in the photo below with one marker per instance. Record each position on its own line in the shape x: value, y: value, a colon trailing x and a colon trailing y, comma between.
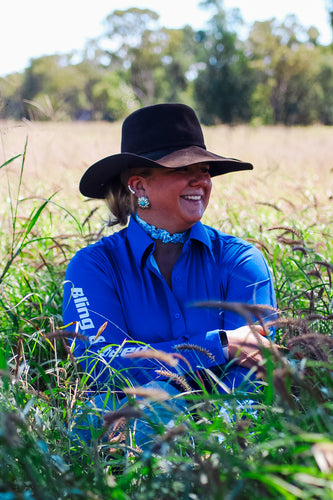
x: 249, y: 280
x: 91, y: 300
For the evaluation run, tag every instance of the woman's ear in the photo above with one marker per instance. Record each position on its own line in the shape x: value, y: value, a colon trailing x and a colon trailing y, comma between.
x: 136, y: 184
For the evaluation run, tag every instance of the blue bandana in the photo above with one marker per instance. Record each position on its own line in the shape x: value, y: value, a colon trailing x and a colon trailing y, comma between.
x: 161, y: 234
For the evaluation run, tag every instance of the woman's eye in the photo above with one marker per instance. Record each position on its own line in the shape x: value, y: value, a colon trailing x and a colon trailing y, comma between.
x: 205, y: 170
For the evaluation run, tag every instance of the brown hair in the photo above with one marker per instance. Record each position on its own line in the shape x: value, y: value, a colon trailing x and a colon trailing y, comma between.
x: 119, y: 200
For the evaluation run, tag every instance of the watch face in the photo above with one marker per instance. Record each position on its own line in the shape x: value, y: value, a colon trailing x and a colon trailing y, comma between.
x: 224, y: 338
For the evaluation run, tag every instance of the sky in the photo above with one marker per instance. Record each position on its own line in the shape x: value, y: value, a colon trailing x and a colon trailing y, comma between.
x: 30, y: 29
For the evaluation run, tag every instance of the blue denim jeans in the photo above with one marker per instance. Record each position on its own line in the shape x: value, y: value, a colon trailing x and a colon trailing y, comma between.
x: 88, y: 425
x: 88, y: 422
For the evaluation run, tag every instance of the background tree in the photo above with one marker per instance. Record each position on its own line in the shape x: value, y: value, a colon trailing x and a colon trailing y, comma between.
x: 113, y: 97
x: 131, y: 43
x: 11, y: 102
x: 172, y: 77
x: 324, y: 85
x: 225, y: 84
x: 156, y: 59
x: 54, y: 89
x: 280, y: 74
x: 285, y: 58
x: 126, y: 30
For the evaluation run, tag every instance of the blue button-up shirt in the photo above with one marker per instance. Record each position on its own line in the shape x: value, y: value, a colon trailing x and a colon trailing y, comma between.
x: 116, y: 281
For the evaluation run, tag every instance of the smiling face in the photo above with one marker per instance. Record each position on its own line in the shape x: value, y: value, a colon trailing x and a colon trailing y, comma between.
x: 178, y: 196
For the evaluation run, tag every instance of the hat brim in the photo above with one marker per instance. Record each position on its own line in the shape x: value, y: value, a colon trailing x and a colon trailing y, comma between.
x: 97, y: 179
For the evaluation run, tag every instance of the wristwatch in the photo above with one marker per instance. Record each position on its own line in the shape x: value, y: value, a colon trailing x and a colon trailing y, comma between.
x: 224, y: 341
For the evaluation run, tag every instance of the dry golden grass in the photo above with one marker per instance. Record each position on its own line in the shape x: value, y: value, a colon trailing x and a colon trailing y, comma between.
x: 285, y: 159
x: 57, y: 154
x: 290, y: 163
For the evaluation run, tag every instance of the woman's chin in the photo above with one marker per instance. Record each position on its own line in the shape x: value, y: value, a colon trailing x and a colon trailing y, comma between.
x: 192, y: 211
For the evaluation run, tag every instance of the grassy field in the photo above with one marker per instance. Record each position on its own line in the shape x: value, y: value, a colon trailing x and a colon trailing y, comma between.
x: 287, y: 160
x: 285, y: 207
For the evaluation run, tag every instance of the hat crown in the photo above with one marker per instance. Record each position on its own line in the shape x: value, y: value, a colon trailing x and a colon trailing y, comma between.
x: 161, y: 127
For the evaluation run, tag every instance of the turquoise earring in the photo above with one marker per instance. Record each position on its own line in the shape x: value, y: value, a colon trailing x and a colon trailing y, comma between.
x: 143, y: 202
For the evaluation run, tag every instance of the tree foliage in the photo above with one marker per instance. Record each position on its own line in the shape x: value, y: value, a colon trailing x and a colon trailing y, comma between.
x: 279, y: 74
x: 224, y: 86
x: 287, y: 63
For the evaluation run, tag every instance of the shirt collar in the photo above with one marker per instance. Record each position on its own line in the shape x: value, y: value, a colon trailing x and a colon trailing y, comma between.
x: 200, y: 233
x: 141, y: 242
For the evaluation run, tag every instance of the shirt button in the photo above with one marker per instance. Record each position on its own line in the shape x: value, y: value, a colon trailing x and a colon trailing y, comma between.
x: 177, y: 315
x: 177, y: 278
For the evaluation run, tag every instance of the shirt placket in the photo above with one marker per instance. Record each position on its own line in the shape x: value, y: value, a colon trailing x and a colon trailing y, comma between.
x: 177, y: 319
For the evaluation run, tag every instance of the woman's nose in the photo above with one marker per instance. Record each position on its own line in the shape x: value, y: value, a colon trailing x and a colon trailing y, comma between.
x: 200, y: 177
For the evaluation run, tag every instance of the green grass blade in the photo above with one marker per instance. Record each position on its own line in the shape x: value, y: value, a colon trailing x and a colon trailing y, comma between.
x: 10, y: 160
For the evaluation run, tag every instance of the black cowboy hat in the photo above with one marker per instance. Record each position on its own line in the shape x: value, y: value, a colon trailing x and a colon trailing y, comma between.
x: 163, y: 135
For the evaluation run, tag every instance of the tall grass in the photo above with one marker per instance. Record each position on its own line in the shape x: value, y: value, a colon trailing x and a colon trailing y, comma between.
x: 283, y: 449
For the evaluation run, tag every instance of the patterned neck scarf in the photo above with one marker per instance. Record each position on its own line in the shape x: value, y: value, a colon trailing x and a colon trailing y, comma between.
x: 162, y: 234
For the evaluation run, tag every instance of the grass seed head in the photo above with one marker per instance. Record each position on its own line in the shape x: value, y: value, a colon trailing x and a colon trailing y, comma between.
x: 194, y: 347
x: 162, y: 356
x: 142, y: 392
x: 127, y: 412
x: 178, y: 379
x: 312, y: 345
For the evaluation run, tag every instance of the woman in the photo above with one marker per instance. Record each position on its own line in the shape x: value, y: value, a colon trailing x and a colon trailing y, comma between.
x: 143, y: 281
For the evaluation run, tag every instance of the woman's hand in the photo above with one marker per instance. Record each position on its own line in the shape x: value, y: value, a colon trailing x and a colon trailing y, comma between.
x: 245, y: 343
